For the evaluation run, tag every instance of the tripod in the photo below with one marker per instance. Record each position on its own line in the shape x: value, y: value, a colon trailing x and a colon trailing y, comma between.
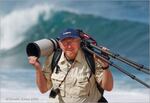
x: 90, y: 45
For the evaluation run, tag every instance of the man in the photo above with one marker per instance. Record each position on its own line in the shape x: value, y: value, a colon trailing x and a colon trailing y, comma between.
x: 72, y: 79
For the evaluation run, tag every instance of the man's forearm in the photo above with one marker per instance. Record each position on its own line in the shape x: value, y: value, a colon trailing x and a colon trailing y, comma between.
x: 107, y: 80
x: 41, y: 80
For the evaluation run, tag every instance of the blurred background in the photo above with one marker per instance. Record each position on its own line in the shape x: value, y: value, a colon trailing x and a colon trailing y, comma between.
x: 120, y: 25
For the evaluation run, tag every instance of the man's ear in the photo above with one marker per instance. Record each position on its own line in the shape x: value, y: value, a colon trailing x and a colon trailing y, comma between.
x: 61, y: 45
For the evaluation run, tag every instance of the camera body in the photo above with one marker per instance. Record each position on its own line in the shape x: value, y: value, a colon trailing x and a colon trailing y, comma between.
x: 54, y: 92
x: 43, y: 47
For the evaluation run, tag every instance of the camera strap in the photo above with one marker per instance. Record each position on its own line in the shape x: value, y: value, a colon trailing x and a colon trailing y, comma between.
x: 66, y: 74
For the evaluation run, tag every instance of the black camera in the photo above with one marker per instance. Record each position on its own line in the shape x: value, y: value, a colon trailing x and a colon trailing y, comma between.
x: 54, y: 92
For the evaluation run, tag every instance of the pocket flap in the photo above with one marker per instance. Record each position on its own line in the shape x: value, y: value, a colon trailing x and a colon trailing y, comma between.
x: 82, y: 79
x: 58, y: 77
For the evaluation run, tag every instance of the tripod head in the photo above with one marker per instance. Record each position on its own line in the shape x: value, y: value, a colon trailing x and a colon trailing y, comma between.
x: 86, y: 38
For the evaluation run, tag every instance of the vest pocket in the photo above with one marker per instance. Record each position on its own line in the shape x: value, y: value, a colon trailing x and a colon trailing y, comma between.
x: 81, y: 87
x: 57, y: 79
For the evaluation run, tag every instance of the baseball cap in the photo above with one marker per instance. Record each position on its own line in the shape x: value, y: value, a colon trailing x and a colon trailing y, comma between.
x: 69, y: 33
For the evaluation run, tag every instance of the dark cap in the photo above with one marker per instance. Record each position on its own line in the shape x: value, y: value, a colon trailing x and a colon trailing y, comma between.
x: 72, y: 33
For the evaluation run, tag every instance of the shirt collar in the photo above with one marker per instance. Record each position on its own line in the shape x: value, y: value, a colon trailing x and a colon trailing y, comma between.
x: 79, y: 57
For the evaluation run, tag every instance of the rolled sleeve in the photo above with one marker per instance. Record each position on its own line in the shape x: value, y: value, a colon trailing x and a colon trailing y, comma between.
x: 98, y: 71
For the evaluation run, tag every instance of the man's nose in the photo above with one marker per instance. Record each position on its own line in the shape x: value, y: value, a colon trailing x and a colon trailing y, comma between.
x: 69, y: 46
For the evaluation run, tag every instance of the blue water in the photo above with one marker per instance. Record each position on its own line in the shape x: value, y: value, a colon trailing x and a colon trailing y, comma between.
x: 121, y: 26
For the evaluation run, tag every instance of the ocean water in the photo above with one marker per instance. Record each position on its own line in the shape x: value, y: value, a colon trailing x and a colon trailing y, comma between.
x: 121, y: 26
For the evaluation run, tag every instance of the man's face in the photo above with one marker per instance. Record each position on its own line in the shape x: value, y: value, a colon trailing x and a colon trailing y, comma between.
x: 70, y: 46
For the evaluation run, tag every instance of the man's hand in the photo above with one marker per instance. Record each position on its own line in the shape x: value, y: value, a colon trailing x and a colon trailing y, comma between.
x: 34, y: 61
x: 104, y: 64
